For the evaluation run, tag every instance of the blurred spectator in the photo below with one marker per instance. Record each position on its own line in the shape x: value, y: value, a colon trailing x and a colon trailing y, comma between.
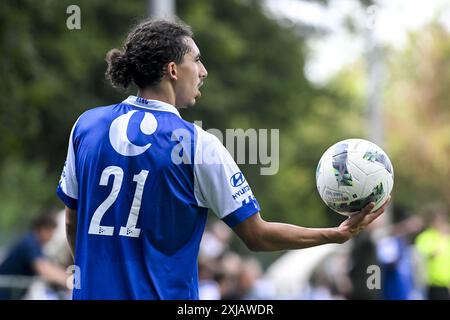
x: 26, y: 259
x: 58, y: 248
x: 396, y: 255
x: 363, y: 255
x: 215, y: 241
x: 250, y: 283
x: 321, y: 287
x: 215, y: 280
x: 434, y: 244
x: 329, y: 280
x: 227, y: 276
x: 208, y: 287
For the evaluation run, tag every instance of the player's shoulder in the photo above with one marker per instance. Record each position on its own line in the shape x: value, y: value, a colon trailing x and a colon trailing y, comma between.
x: 205, y: 137
x: 178, y: 122
x: 96, y: 112
x: 209, y: 148
x: 94, y: 117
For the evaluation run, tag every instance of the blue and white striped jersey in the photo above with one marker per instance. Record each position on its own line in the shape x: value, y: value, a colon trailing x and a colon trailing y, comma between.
x: 142, y: 179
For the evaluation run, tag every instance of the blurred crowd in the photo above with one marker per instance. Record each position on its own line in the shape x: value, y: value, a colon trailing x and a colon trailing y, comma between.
x: 35, y: 265
x: 407, y: 258
x: 223, y: 274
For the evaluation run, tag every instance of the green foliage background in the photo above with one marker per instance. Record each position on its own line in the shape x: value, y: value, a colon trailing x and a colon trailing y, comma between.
x: 50, y: 74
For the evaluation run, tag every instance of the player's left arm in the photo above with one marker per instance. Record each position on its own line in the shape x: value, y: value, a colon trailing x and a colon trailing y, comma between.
x: 260, y: 235
x: 71, y: 228
x: 221, y: 186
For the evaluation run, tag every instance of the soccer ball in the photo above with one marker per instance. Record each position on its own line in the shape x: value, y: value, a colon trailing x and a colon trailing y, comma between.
x: 352, y: 173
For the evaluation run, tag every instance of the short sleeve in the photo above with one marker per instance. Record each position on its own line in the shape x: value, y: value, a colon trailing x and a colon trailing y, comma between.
x: 219, y: 184
x: 67, y: 189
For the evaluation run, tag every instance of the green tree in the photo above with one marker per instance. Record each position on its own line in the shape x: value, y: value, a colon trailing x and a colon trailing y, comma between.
x: 417, y: 105
x: 50, y: 74
x: 256, y: 80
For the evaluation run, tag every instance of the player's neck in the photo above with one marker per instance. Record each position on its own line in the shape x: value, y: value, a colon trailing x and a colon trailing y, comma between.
x: 161, y: 93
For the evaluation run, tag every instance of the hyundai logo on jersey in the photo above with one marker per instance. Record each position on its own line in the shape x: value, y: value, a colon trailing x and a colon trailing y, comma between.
x: 237, y: 179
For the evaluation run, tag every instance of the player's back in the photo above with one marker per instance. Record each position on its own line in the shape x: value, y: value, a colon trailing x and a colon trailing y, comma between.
x: 139, y: 225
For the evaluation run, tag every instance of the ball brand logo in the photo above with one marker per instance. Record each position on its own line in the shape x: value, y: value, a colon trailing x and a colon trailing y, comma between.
x: 374, y: 156
x: 237, y: 179
x: 122, y: 126
x: 341, y: 173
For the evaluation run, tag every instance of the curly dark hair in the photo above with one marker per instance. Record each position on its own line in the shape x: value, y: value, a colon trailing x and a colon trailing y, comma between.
x: 149, y: 47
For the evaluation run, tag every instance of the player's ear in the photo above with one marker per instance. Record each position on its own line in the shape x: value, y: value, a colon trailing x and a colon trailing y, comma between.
x: 172, y: 71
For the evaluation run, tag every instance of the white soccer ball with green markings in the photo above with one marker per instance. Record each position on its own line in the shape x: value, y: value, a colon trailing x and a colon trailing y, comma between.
x: 352, y: 173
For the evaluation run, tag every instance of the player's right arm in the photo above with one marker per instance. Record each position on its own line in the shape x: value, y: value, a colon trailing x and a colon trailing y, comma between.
x: 260, y: 235
x: 67, y: 191
x: 71, y: 228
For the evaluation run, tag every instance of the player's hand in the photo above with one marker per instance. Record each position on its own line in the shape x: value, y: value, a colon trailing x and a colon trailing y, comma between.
x: 358, y: 222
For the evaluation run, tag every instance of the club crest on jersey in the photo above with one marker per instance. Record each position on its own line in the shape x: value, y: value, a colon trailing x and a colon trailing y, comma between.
x: 125, y: 126
x: 237, y: 179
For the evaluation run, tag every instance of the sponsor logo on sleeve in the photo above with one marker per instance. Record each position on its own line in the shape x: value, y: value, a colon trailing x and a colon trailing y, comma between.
x: 237, y: 179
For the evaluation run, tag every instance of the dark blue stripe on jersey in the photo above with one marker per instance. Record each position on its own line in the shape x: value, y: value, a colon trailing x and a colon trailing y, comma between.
x: 241, y: 214
x: 68, y: 201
